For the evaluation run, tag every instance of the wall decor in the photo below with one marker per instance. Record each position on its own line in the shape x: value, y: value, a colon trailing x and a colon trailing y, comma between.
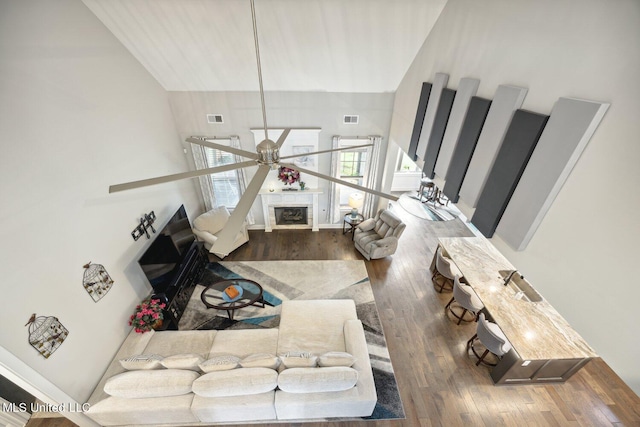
x: 46, y: 334
x: 145, y: 224
x: 463, y: 152
x: 417, y: 124
x: 437, y: 131
x: 569, y: 129
x: 439, y: 83
x: 515, y: 152
x: 506, y: 101
x: 467, y: 88
x: 96, y: 280
x: 303, y: 161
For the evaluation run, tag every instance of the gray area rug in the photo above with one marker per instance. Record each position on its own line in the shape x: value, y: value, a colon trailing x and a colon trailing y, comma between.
x: 303, y: 280
x: 429, y: 211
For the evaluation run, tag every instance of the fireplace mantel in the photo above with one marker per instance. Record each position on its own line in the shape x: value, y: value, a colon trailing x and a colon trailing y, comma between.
x: 280, y: 198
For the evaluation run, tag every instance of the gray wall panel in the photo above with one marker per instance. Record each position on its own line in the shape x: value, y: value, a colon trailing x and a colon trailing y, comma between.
x: 515, y: 151
x: 506, y: 100
x: 473, y: 122
x: 417, y: 125
x: 570, y: 126
x: 466, y: 89
x: 439, y: 83
x: 437, y: 132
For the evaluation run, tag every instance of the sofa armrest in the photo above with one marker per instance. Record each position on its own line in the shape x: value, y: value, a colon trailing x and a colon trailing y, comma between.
x: 356, y: 345
x: 367, y: 224
x: 386, y: 242
x: 204, y: 236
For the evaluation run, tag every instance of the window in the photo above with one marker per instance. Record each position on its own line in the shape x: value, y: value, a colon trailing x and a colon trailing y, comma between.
x: 352, y: 168
x: 225, y: 184
x: 405, y: 164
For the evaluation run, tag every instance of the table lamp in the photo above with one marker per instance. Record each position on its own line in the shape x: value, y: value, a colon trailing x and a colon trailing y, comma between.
x: 356, y: 201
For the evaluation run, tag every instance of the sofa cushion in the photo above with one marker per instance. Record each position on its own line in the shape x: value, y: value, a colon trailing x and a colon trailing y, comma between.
x: 261, y: 360
x: 150, y: 383
x: 220, y: 362
x: 316, y: 380
x: 298, y: 359
x: 336, y: 358
x: 168, y: 343
x: 190, y: 361
x: 212, y: 221
x: 236, y: 382
x: 142, y: 361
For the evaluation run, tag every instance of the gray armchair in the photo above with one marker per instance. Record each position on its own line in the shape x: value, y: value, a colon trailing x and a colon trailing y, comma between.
x: 378, y: 237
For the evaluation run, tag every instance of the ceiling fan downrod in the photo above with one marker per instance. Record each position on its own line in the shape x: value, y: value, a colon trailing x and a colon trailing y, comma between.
x: 268, y: 151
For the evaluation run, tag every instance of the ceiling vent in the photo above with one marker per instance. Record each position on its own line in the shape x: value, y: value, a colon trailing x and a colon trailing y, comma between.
x: 214, y: 118
x: 350, y: 120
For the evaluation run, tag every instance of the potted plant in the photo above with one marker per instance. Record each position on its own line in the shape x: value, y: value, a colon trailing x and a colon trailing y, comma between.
x: 148, y: 315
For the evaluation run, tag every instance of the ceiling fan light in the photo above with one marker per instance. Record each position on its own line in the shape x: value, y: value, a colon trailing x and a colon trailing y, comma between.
x: 268, y: 152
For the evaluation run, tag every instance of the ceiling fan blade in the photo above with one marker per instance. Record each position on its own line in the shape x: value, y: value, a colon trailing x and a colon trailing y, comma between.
x: 224, y: 244
x: 284, y: 135
x: 324, y: 151
x: 179, y: 176
x: 209, y: 144
x: 340, y: 181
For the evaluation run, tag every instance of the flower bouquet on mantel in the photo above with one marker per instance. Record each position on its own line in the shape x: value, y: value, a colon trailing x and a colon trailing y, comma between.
x: 148, y: 315
x: 288, y: 176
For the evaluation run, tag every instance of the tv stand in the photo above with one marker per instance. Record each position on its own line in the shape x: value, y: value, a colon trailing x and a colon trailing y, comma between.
x: 177, y: 296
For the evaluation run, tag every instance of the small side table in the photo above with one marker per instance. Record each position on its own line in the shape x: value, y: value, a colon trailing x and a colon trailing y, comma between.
x: 349, y: 224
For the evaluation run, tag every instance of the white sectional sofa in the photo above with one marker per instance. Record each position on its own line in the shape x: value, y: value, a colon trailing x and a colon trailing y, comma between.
x: 323, y: 333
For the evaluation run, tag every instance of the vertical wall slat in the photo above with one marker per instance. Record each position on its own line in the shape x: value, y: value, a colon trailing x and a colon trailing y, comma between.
x: 437, y: 132
x: 439, y: 83
x: 513, y: 156
x: 469, y: 134
x: 417, y: 125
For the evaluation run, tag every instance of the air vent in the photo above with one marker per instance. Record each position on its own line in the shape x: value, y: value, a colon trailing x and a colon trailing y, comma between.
x: 351, y: 120
x: 215, y: 118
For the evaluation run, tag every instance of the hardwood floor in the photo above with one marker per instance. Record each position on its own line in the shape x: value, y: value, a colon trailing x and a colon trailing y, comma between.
x: 439, y: 383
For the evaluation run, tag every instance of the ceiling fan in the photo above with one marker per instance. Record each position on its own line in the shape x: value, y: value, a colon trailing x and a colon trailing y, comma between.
x: 266, y: 157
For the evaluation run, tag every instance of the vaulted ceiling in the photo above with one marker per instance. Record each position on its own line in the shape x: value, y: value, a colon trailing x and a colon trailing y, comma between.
x: 305, y: 45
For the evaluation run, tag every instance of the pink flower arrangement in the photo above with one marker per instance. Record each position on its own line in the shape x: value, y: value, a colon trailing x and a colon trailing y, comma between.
x: 147, y: 314
x: 288, y: 175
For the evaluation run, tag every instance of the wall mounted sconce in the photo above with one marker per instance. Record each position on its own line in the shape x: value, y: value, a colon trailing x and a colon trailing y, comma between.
x: 145, y: 224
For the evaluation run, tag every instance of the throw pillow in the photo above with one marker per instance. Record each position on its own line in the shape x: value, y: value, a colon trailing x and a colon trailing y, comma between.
x: 260, y: 360
x: 188, y: 361
x: 237, y: 382
x: 142, y: 361
x: 336, y: 358
x: 317, y: 380
x: 220, y: 362
x: 298, y: 359
x: 150, y: 383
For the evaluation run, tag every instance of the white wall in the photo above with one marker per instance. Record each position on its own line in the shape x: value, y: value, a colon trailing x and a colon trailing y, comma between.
x: 582, y: 254
x: 77, y: 113
x: 242, y: 112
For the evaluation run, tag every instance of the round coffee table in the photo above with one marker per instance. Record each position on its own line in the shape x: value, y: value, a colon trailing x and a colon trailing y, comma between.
x: 250, y: 293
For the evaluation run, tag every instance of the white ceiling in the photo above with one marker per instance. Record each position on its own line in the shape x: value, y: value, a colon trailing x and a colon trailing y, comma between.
x: 305, y: 45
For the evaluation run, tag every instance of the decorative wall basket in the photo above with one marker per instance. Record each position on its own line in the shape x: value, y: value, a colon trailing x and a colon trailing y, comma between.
x: 96, y: 280
x: 46, y: 334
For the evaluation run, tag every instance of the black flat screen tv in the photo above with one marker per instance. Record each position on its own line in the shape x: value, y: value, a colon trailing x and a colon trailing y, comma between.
x: 162, y: 260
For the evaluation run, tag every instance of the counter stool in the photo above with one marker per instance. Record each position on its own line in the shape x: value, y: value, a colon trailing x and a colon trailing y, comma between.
x: 466, y: 298
x: 429, y: 185
x: 445, y: 270
x: 491, y: 336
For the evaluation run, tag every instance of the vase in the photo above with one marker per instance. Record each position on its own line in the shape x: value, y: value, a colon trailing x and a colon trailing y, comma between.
x: 157, y: 325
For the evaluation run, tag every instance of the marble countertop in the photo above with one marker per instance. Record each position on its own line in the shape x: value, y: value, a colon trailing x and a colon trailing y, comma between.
x: 536, y: 330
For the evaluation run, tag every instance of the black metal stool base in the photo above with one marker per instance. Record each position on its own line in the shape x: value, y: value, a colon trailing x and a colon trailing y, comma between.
x: 445, y: 286
x: 475, y: 353
x: 461, y: 318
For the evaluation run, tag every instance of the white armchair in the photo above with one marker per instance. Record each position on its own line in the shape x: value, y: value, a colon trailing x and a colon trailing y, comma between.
x: 378, y: 237
x: 208, y: 225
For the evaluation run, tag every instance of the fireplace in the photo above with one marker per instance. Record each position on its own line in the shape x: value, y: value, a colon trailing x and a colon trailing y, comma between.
x: 291, y: 215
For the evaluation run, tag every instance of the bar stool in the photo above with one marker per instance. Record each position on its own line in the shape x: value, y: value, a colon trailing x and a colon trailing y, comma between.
x: 492, y: 337
x: 465, y: 297
x: 445, y: 270
x: 426, y: 183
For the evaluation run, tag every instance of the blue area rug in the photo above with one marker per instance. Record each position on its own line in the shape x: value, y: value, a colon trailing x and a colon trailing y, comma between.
x: 303, y: 280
